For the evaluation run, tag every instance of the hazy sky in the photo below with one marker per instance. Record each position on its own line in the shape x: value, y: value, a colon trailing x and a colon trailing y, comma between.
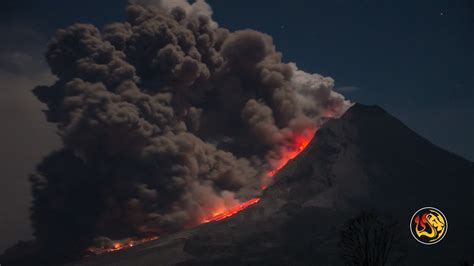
x: 413, y: 58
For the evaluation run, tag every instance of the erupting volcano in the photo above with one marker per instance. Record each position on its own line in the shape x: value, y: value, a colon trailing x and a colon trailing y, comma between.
x: 182, y: 142
x: 295, y: 147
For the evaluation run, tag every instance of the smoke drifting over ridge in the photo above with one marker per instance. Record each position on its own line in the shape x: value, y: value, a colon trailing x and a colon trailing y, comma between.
x: 164, y: 118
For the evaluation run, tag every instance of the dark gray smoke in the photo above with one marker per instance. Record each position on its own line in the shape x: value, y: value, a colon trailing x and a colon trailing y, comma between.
x: 164, y: 118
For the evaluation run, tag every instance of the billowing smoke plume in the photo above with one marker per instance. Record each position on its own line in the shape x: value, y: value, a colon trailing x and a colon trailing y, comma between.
x: 164, y: 118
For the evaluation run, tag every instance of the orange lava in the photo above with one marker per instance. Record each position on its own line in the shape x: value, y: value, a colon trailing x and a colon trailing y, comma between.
x: 224, y: 213
x: 298, y: 144
x: 120, y: 244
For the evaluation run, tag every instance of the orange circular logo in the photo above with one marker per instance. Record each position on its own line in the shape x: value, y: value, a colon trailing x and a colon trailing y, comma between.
x: 428, y: 225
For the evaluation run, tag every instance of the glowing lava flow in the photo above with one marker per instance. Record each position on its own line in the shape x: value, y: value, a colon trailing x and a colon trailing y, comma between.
x: 297, y: 145
x: 222, y: 214
x: 299, y: 142
x: 119, y: 245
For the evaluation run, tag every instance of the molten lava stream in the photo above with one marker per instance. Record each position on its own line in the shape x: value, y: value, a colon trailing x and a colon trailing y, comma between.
x: 222, y: 214
x: 297, y: 145
x: 120, y: 244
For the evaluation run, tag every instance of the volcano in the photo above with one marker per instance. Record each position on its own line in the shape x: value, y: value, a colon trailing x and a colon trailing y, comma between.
x: 365, y: 160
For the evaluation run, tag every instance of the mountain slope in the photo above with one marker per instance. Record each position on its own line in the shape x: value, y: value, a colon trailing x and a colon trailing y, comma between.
x: 367, y: 160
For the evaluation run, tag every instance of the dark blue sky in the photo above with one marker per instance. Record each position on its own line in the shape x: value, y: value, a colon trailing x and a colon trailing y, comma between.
x: 414, y: 58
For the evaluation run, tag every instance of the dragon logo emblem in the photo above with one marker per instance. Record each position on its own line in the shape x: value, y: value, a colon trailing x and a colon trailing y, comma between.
x: 428, y: 225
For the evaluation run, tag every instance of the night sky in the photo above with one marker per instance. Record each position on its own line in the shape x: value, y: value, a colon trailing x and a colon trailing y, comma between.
x: 413, y: 58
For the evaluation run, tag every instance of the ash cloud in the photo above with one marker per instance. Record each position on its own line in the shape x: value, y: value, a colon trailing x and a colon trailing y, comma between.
x: 164, y: 118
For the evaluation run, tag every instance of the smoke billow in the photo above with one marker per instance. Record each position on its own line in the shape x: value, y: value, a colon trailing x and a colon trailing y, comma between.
x: 165, y: 117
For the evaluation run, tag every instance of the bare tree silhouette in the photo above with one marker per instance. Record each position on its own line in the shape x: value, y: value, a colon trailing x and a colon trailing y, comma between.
x: 367, y: 240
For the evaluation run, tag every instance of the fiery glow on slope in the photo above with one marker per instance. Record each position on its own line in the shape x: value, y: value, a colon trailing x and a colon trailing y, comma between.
x: 221, y: 214
x: 299, y: 142
x: 120, y: 244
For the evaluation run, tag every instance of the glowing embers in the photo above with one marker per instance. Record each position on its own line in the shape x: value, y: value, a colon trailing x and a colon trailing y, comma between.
x: 119, y: 245
x: 223, y: 213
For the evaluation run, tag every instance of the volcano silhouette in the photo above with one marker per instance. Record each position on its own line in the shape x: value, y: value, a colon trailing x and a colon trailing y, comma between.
x: 365, y: 160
